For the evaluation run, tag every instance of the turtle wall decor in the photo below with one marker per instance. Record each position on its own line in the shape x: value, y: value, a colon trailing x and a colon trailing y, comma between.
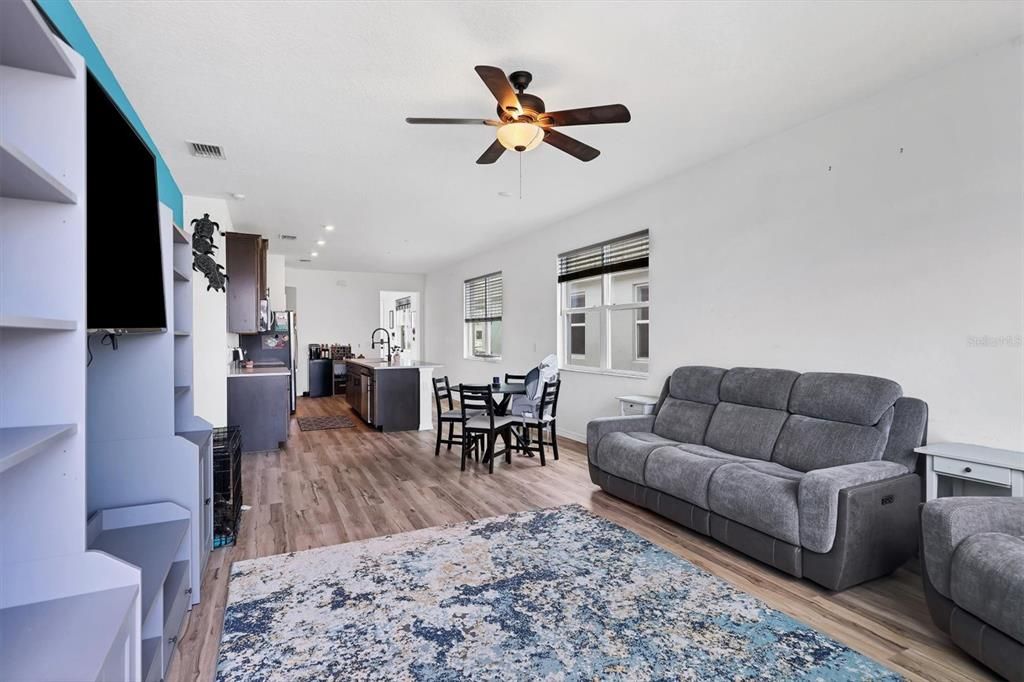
x: 203, y: 247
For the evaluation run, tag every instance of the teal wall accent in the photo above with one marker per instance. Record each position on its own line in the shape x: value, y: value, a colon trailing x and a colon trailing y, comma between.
x: 67, y: 21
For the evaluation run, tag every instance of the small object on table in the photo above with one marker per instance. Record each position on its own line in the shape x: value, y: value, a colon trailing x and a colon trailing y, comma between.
x: 495, y: 381
x: 636, y: 404
x: 249, y: 364
x: 962, y: 469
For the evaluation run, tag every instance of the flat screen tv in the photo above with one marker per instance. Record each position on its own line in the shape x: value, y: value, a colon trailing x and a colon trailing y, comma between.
x: 124, y: 274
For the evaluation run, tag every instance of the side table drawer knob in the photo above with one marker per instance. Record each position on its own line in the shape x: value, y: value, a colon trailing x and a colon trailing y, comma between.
x: 967, y: 470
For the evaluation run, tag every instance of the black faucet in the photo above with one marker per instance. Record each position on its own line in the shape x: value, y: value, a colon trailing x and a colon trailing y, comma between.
x: 374, y: 343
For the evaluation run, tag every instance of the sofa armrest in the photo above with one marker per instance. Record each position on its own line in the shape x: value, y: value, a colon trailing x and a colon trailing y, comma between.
x: 602, y: 426
x: 948, y: 521
x: 819, y: 498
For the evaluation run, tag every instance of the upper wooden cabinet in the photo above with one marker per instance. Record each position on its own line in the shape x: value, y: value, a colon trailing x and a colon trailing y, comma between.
x: 246, y: 267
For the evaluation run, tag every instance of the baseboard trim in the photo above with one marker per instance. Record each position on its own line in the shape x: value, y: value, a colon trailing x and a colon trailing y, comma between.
x: 572, y: 435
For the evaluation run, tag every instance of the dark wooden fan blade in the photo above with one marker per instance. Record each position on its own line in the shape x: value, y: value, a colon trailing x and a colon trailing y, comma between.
x: 492, y: 153
x: 497, y: 82
x: 609, y: 113
x: 583, y: 152
x: 455, y: 121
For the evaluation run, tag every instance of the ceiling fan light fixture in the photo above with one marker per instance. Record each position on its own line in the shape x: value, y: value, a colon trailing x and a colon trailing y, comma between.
x: 520, y: 136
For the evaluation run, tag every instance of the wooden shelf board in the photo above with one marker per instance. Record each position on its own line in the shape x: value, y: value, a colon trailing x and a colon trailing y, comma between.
x: 35, y: 638
x: 178, y: 390
x: 41, y: 323
x: 27, y: 43
x: 19, y: 443
x: 178, y: 332
x: 180, y: 236
x: 151, y: 547
x: 196, y: 437
x: 180, y: 276
x: 23, y: 178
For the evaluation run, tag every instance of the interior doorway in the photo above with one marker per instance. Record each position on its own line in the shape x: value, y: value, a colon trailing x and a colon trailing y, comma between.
x: 400, y: 315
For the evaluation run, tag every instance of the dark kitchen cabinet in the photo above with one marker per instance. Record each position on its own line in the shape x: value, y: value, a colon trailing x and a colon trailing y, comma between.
x: 246, y: 268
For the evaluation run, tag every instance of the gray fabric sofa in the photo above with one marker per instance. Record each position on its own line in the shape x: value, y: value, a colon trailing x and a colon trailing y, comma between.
x: 972, y: 549
x: 811, y: 473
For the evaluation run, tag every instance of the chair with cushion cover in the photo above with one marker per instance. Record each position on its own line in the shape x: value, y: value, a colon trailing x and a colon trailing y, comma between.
x: 446, y: 415
x: 479, y: 420
x: 543, y: 420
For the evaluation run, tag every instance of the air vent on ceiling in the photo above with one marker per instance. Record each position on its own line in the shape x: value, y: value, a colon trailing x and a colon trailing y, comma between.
x: 287, y: 237
x: 305, y: 260
x: 206, y: 151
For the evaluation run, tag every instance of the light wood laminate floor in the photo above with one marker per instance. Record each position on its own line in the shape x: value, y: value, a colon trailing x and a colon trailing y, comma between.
x: 342, y: 485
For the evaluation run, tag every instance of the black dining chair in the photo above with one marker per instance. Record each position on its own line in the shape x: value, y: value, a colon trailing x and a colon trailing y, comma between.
x: 449, y: 416
x: 515, y: 378
x: 481, y: 423
x: 547, y: 411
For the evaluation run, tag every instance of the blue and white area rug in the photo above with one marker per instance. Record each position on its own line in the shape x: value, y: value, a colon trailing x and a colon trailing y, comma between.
x: 556, y: 594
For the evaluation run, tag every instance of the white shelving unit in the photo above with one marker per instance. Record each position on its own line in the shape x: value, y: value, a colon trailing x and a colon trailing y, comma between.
x: 150, y: 460
x: 65, y: 612
x: 154, y: 537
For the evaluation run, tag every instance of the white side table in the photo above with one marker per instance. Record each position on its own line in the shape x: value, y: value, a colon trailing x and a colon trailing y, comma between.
x: 636, y: 404
x: 958, y: 469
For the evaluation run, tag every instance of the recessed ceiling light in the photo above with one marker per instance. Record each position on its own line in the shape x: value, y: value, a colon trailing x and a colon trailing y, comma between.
x: 314, y: 254
x: 238, y: 195
x: 329, y: 228
x: 320, y: 242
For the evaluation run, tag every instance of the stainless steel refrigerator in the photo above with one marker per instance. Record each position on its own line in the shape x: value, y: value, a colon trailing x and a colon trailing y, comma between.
x: 276, y: 346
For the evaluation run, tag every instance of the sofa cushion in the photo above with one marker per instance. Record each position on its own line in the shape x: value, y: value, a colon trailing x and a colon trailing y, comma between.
x: 707, y: 451
x: 758, y: 500
x: 625, y: 454
x: 773, y: 469
x: 758, y: 387
x: 696, y: 383
x: 987, y: 580
x: 948, y: 521
x: 852, y: 398
x: 683, y: 474
x: 683, y: 420
x: 744, y: 430
x: 807, y: 443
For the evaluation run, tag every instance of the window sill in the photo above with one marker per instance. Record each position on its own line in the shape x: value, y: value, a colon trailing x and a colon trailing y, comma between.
x: 626, y: 374
x: 476, y: 358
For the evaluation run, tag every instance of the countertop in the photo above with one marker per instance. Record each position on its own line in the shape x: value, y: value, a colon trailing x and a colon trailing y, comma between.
x: 371, y: 363
x: 280, y: 371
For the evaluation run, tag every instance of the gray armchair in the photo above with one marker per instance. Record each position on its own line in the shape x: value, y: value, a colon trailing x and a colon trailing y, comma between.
x: 973, y: 554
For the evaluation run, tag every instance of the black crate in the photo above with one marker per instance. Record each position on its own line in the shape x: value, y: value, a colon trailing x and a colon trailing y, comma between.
x: 227, y: 484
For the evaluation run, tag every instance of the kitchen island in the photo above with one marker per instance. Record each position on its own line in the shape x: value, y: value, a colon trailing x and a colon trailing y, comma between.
x: 259, y: 401
x: 392, y: 396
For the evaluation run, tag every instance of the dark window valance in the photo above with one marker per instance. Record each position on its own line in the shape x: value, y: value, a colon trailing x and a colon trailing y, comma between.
x: 615, y: 255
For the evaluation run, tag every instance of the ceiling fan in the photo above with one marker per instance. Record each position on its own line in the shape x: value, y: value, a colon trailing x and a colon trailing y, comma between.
x: 523, y: 122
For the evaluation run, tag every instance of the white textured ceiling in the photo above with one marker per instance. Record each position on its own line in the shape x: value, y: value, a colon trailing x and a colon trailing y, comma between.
x: 309, y: 99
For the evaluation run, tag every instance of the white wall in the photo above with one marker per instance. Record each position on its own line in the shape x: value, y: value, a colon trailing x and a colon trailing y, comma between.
x: 883, y: 238
x: 275, y: 281
x: 210, y: 339
x: 334, y: 306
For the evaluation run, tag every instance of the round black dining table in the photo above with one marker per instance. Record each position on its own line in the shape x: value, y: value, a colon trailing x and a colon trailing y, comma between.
x: 506, y: 391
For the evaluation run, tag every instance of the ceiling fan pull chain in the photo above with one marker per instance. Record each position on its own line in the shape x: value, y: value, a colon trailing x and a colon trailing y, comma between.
x: 521, y: 176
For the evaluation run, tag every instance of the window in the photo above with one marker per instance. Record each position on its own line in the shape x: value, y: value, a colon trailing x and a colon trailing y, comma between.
x: 578, y: 326
x: 483, y: 303
x: 642, y: 320
x: 604, y: 296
